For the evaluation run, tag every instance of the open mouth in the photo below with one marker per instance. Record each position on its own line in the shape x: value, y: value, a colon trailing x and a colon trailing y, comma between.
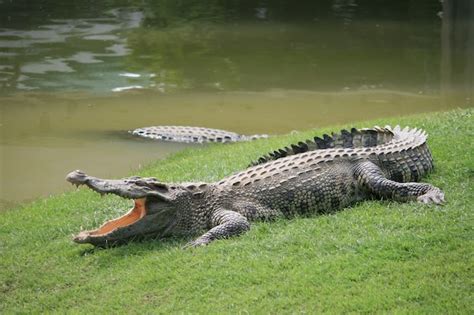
x: 132, y: 216
x: 131, y: 223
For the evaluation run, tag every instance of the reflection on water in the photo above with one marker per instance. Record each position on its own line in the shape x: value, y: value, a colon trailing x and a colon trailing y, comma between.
x: 457, y: 64
x: 214, y: 46
x: 64, y: 53
x: 74, y: 75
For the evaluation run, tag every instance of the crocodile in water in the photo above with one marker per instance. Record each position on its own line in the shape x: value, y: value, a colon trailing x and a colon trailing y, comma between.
x: 315, y: 176
x: 191, y: 134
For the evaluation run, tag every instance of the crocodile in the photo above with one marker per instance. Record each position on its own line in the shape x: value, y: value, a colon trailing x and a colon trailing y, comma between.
x: 315, y: 176
x: 192, y: 134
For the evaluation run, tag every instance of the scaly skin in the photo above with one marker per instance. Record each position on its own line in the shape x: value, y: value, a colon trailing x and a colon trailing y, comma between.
x: 191, y: 134
x: 316, y: 176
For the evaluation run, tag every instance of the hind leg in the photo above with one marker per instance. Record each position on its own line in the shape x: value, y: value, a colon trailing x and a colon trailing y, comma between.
x: 371, y: 177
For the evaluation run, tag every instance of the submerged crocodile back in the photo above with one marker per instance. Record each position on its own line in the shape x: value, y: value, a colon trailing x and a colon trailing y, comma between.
x: 401, y: 153
x: 186, y: 134
x: 191, y: 134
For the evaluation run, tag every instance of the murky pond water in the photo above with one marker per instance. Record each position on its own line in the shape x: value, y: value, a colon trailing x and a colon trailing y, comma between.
x: 75, y: 76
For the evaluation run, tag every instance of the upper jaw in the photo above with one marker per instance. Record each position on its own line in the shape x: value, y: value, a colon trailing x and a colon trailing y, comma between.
x: 130, y: 188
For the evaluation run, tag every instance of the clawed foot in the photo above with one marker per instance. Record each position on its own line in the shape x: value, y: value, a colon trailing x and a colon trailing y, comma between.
x: 434, y: 196
x: 196, y: 243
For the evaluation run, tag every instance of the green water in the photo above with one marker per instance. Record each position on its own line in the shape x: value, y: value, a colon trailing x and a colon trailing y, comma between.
x: 76, y: 75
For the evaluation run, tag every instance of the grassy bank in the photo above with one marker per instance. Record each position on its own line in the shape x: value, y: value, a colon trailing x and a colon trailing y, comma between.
x: 375, y: 256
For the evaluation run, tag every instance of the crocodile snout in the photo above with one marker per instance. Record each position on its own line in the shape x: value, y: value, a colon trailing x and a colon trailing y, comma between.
x: 77, y: 177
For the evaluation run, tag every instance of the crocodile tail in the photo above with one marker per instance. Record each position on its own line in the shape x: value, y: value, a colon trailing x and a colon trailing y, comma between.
x: 407, y: 157
x: 355, y: 138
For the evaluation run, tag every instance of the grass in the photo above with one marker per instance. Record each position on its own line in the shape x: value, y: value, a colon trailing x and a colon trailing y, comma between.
x: 377, y: 256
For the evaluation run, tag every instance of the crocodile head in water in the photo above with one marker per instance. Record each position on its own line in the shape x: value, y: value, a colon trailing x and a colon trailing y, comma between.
x: 155, y: 210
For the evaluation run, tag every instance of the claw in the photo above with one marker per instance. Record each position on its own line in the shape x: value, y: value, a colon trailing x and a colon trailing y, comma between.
x: 195, y: 243
x: 435, y: 197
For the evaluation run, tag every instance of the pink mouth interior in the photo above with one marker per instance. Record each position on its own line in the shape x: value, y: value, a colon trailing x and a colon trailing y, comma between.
x: 132, y: 216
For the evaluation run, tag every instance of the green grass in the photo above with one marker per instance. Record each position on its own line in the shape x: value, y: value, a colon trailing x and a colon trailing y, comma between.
x: 377, y: 256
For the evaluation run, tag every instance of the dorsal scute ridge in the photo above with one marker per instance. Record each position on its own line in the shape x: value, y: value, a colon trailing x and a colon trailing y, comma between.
x: 196, y: 187
x: 358, y: 142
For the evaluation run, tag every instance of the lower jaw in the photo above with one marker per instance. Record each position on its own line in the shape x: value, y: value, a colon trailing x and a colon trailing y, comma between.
x: 101, y: 235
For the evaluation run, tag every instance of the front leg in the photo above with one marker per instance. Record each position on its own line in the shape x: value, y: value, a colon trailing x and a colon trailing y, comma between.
x: 225, y: 224
x: 372, y: 178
